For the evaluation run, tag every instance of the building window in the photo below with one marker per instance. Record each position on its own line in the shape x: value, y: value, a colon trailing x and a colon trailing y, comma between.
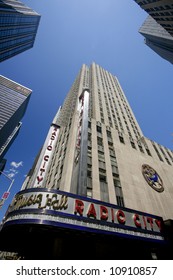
x: 102, y: 164
x: 58, y: 184
x: 100, y: 152
x: 89, y: 192
x: 89, y: 144
x: 111, y: 152
x: 109, y: 135
x: 89, y: 182
x: 148, y: 151
x: 120, y: 201
x: 99, y: 141
x: 169, y: 154
x: 102, y: 178
x: 119, y: 193
x: 89, y: 173
x: 99, y: 129
x: 113, y: 160
x: 110, y: 144
x: 89, y: 124
x: 115, y: 171
x: 141, y: 149
x: 89, y: 166
x: 121, y: 139
x: 164, y: 154
x: 89, y: 187
x: 100, y: 148
x: 89, y: 136
x: 158, y: 154
x: 104, y: 191
x: 133, y: 145
x: 168, y: 161
x: 89, y: 161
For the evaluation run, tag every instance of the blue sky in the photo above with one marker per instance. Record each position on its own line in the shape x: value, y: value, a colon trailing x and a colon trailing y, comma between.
x: 73, y: 32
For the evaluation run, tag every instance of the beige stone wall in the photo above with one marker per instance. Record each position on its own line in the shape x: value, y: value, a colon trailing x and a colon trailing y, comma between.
x: 137, y: 193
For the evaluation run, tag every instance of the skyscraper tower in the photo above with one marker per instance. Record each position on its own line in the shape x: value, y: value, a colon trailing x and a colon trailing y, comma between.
x: 18, y: 25
x: 96, y: 174
x: 161, y: 11
x: 95, y: 131
x: 14, y: 100
x: 157, y: 38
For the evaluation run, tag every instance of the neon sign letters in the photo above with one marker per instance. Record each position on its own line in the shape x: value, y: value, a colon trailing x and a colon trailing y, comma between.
x: 54, y: 206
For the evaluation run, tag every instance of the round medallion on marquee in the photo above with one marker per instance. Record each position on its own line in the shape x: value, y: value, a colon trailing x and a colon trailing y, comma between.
x: 152, y: 178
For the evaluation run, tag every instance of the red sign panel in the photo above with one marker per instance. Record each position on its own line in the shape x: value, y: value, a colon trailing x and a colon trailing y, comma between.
x: 5, y: 195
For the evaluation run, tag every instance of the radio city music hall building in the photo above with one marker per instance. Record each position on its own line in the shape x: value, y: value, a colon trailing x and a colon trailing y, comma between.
x: 98, y: 189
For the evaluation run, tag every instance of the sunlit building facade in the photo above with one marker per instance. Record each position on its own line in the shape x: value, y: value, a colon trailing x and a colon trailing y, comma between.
x: 93, y: 147
x: 98, y: 188
x: 18, y: 28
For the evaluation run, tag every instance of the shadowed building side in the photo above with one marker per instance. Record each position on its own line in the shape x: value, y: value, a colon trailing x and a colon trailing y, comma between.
x: 157, y: 38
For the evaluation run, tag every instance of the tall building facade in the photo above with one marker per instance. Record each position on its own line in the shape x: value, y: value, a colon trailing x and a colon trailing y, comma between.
x: 96, y: 129
x: 18, y: 28
x: 98, y: 187
x: 161, y: 11
x: 14, y: 100
x: 157, y: 38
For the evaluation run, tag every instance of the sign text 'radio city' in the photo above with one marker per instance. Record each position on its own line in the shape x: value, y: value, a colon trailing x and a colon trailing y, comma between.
x: 53, y: 135
x: 86, y: 209
x: 115, y: 215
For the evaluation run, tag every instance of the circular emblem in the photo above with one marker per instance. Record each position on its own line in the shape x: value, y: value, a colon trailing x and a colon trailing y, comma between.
x: 152, y: 178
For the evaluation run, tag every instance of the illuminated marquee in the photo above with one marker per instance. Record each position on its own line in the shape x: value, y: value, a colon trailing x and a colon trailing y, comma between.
x: 55, y: 207
x: 9, y: 256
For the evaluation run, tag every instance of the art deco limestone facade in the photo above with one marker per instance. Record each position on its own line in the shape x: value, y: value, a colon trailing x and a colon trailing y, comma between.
x: 98, y: 149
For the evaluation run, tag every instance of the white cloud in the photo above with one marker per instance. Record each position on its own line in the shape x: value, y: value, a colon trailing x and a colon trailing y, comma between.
x: 16, y: 164
x: 12, y: 172
x: 11, y: 175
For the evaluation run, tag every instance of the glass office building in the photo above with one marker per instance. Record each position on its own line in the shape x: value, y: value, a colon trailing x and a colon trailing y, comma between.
x: 14, y: 100
x: 161, y: 11
x: 157, y: 38
x: 18, y: 28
